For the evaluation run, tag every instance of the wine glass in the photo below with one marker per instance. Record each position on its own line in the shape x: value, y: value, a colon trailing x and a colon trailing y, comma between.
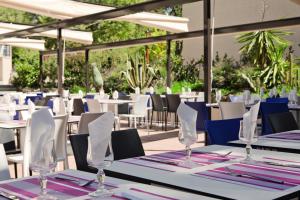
x: 187, y: 138
x: 100, y: 165
x: 248, y: 137
x: 45, y: 164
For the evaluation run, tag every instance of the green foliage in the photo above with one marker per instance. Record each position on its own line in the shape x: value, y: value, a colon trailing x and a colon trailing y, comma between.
x: 138, y: 74
x: 226, y: 74
x: 178, y: 85
x: 26, y: 68
x: 190, y: 71
x: 259, y: 46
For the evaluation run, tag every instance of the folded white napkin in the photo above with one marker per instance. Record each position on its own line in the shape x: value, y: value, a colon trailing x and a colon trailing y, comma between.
x: 168, y: 90
x: 100, y: 135
x: 137, y: 90
x: 22, y: 98
x: 31, y: 106
x: 115, y: 94
x: 80, y: 93
x: 187, y: 117
x: 283, y: 92
x: 70, y: 106
x: 247, y: 126
x: 7, y: 98
x: 56, y: 105
x: 42, y: 131
x: 101, y: 93
x: 66, y: 93
x: 151, y: 90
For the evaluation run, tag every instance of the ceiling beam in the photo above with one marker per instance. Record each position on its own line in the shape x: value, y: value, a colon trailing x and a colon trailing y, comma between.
x: 118, y: 12
x: 289, y: 22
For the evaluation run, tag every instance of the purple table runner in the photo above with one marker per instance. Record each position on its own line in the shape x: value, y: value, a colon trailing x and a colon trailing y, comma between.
x: 285, y: 136
x: 202, y: 159
x: 290, y: 177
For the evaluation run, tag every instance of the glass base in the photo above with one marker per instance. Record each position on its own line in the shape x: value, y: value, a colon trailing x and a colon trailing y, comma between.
x: 189, y: 164
x: 46, y: 197
x: 101, y: 193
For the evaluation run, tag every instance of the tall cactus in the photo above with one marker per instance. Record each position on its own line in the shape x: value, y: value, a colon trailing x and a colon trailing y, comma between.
x: 98, y: 80
x: 139, y: 75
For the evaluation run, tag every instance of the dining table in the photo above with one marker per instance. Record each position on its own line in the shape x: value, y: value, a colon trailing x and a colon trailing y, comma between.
x: 220, y: 172
x: 67, y: 184
x: 115, y: 102
x: 288, y: 141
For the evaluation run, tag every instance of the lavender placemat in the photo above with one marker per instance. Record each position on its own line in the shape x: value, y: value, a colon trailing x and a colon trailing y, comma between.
x: 289, y: 177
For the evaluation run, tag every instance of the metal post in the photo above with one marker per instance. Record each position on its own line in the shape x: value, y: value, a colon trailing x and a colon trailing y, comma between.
x: 168, y: 64
x: 41, y: 70
x: 87, y: 82
x: 59, y: 62
x: 207, y: 51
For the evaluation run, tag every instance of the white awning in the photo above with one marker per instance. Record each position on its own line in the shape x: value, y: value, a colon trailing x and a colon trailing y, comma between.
x: 66, y: 9
x: 69, y: 35
x: 24, y: 43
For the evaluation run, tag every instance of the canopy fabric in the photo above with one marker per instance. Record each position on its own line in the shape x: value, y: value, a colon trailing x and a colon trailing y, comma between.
x: 24, y: 43
x: 66, y: 9
x: 70, y: 35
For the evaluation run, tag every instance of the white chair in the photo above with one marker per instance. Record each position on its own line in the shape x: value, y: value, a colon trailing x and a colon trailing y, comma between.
x: 85, y: 119
x: 139, y: 110
x: 231, y: 110
x: 39, y: 129
x: 4, y: 171
x: 60, y: 138
x: 94, y: 105
x: 59, y: 107
x: 6, y: 135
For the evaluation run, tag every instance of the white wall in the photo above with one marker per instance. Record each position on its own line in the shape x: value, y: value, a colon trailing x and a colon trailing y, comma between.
x: 234, y: 12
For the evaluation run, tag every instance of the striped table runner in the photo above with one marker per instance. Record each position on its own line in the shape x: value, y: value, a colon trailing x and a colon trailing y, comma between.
x: 201, y: 159
x: 285, y: 135
x: 290, y: 177
x: 61, y: 189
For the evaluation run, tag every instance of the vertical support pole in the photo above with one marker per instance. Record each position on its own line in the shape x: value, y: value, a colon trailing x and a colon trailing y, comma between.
x: 41, y: 70
x: 87, y: 82
x: 168, y: 64
x: 59, y: 62
x: 207, y: 51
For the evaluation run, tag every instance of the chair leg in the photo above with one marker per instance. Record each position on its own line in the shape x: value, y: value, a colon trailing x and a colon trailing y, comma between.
x: 166, y: 119
x: 134, y: 122
x: 151, y: 119
x: 16, y: 170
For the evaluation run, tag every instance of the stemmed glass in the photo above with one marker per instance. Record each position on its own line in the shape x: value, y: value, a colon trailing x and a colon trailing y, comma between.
x: 187, y: 139
x: 100, y: 165
x: 248, y: 137
x: 44, y: 165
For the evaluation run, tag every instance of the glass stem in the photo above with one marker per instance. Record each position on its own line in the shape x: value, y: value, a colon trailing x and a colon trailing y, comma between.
x: 188, y: 152
x: 248, y: 151
x: 100, y: 178
x: 43, y: 184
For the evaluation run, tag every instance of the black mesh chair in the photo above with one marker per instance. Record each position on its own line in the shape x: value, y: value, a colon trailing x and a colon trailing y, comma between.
x: 159, y: 107
x: 78, y: 107
x: 123, y: 108
x: 173, y: 101
x: 126, y: 144
x: 281, y: 122
x: 79, y: 143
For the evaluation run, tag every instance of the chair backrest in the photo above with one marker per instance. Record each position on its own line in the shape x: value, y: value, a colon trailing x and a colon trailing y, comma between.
x: 59, y: 106
x: 7, y: 136
x: 60, y: 136
x: 4, y: 171
x: 79, y: 144
x: 202, y: 114
x: 123, y: 108
x: 78, y: 107
x: 85, y: 119
x: 93, y: 105
x: 270, y: 108
x: 222, y: 131
x: 157, y: 102
x: 277, y: 100
x: 173, y: 101
x: 140, y: 106
x: 126, y: 144
x: 281, y: 122
x: 232, y: 110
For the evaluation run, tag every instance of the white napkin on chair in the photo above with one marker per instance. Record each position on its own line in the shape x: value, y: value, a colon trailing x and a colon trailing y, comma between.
x: 100, y: 135
x: 187, y: 117
x: 151, y: 90
x: 115, y: 95
x: 31, y: 106
x: 168, y: 90
x: 137, y: 90
x: 80, y: 93
x: 42, y: 131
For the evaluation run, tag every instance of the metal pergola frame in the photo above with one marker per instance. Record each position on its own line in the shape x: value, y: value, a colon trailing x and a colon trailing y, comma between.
x: 147, y: 6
